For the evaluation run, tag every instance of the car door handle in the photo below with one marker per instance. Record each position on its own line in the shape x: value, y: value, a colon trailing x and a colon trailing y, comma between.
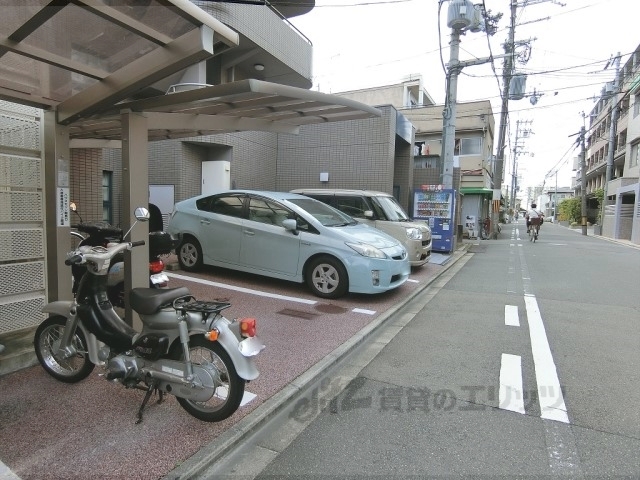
x: 204, y: 222
x: 249, y: 232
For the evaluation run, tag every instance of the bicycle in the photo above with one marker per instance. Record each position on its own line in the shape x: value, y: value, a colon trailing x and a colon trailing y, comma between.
x: 534, y: 229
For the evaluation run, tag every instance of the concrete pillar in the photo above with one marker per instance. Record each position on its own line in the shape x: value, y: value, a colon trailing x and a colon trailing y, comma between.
x: 135, y: 193
x: 57, y: 160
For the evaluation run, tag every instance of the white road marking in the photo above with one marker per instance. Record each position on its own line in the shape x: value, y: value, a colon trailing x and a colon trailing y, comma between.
x: 241, y: 289
x: 362, y: 310
x: 550, y: 395
x: 412, y: 280
x: 511, y: 394
x: 511, y: 318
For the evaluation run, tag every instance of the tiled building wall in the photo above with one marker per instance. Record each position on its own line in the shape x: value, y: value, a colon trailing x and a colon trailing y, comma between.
x: 252, y: 164
x: 403, y: 172
x: 85, y: 179
x: 355, y: 154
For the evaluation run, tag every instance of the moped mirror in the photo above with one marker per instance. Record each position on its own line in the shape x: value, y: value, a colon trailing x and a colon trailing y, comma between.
x: 74, y: 208
x: 142, y: 214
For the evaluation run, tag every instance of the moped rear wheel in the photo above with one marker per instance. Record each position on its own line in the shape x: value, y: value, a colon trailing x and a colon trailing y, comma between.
x: 69, y: 368
x: 230, y: 386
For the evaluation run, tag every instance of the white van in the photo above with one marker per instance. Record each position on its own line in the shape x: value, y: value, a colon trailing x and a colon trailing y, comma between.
x: 382, y: 211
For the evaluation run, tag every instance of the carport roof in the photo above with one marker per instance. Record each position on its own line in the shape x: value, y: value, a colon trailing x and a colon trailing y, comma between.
x: 90, y: 60
x: 232, y: 107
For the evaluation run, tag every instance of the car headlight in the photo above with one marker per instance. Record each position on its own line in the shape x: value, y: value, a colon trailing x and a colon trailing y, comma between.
x: 367, y: 250
x: 414, y: 233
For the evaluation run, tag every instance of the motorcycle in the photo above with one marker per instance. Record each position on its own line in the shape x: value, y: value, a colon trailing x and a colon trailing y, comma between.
x: 102, y: 233
x: 186, y: 348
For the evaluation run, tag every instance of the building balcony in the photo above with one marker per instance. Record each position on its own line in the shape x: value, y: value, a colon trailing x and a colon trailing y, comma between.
x: 271, y: 48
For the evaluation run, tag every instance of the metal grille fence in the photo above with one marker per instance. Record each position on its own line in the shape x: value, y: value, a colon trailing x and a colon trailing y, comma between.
x: 22, y: 245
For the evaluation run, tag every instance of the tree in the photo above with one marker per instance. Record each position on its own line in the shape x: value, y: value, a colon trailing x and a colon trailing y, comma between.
x: 599, y: 194
x: 570, y: 209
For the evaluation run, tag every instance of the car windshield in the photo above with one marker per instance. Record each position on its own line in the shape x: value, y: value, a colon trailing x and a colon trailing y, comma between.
x: 326, y: 215
x: 389, y: 209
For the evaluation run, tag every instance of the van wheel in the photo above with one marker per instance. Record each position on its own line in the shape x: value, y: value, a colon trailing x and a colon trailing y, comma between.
x: 327, y: 277
x: 189, y: 255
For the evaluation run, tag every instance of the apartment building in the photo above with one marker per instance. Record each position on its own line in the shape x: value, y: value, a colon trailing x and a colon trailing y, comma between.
x: 617, y: 144
x: 473, y: 159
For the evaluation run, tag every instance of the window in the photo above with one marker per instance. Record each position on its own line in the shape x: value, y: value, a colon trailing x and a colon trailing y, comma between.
x: 266, y: 211
x: 107, y: 196
x: 354, y: 206
x: 635, y: 152
x: 636, y: 105
x: 230, y: 205
x: 468, y: 146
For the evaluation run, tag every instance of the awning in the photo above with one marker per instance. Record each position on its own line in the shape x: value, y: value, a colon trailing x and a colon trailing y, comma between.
x: 476, y: 191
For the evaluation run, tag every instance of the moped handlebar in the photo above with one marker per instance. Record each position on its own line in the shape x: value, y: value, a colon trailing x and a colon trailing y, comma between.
x: 100, y: 256
x: 73, y: 260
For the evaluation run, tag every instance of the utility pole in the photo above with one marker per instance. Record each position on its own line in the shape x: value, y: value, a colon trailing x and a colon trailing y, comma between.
x: 509, y: 49
x: 583, y: 171
x: 449, y: 113
x: 555, y: 200
x: 515, y: 156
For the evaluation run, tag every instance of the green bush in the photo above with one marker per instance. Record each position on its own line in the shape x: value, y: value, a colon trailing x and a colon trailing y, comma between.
x: 570, y: 209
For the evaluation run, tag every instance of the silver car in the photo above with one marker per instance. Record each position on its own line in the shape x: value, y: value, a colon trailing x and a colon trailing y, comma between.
x: 382, y: 211
x: 287, y: 236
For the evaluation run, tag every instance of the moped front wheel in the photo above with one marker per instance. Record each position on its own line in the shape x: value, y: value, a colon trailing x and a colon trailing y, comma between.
x: 229, y: 385
x: 70, y: 366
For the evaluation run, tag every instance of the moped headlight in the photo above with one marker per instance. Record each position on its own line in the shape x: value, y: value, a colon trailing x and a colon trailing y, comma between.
x: 367, y: 250
x: 414, y: 233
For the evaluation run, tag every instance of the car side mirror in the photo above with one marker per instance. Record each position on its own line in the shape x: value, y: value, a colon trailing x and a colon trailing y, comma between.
x: 368, y: 214
x: 291, y: 225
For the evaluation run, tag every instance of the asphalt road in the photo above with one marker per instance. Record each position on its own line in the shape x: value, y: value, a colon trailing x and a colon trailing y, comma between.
x: 523, y: 359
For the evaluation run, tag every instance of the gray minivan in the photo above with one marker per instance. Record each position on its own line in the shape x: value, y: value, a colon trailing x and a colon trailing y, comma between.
x: 382, y: 211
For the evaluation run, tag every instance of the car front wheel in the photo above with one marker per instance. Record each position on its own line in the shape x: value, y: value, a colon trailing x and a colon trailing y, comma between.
x: 190, y: 255
x: 327, y: 277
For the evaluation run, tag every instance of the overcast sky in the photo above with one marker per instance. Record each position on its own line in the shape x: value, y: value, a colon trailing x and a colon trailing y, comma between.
x: 365, y: 43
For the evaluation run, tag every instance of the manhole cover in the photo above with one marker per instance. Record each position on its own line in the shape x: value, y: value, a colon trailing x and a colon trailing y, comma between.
x: 478, y: 248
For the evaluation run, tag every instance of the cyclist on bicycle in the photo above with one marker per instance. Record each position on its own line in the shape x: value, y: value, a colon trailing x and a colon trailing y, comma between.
x: 534, y: 217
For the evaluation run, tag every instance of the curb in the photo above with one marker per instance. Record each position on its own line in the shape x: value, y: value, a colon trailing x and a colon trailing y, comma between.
x: 222, y: 445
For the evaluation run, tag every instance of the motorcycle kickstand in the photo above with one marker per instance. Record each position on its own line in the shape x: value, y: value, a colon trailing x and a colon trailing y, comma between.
x: 152, y: 387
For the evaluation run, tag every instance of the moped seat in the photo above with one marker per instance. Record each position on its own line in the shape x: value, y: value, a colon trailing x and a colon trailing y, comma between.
x: 148, y: 300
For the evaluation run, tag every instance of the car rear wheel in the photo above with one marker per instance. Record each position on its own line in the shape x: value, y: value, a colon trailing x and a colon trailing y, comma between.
x: 327, y: 277
x: 190, y: 255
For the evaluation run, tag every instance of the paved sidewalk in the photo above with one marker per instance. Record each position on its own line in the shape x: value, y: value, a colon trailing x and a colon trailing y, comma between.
x: 590, y: 233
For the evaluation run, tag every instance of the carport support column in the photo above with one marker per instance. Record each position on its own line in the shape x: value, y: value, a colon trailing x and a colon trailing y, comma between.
x: 57, y: 161
x: 135, y: 190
